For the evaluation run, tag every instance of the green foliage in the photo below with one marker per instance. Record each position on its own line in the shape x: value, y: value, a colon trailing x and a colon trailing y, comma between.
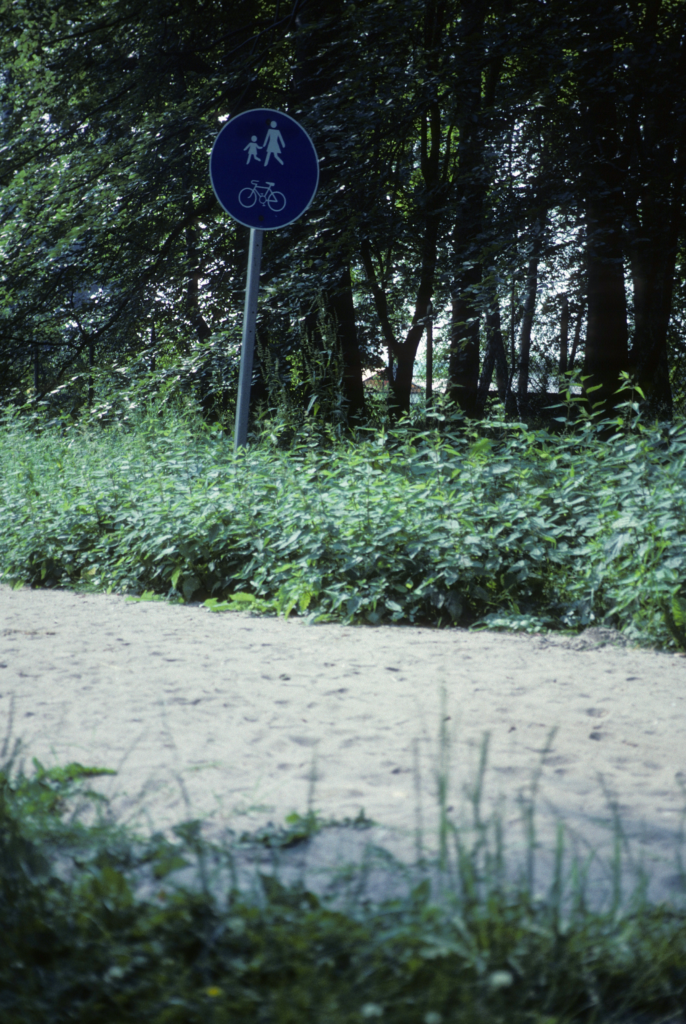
x: 675, y: 617
x: 114, y: 248
x: 109, y: 109
x: 97, y: 929
x: 305, y: 387
x: 51, y: 795
x: 300, y: 828
x: 503, y: 526
x: 205, y: 380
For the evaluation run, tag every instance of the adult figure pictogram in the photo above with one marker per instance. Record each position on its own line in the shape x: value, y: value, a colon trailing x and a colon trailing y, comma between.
x: 273, y: 143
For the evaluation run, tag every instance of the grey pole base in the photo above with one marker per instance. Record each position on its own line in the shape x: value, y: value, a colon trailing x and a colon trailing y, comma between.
x: 240, y: 436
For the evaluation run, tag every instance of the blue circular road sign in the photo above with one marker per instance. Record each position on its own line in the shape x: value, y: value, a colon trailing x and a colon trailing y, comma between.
x: 264, y: 169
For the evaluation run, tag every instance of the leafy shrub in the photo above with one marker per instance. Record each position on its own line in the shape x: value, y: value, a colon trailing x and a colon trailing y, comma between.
x: 500, y: 526
x: 305, y: 385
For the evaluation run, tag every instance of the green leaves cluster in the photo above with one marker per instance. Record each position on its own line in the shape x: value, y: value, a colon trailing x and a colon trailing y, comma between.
x: 507, y: 528
x: 109, y: 110
x: 457, y: 142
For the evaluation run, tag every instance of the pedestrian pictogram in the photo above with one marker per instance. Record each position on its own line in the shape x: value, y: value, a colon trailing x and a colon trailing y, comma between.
x: 273, y: 143
x: 252, y: 148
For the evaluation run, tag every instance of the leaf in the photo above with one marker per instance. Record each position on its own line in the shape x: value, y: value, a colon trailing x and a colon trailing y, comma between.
x: 675, y: 619
x: 189, y: 587
x: 165, y: 863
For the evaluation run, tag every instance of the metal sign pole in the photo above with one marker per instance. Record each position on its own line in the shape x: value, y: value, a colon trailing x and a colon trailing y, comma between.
x: 248, y: 345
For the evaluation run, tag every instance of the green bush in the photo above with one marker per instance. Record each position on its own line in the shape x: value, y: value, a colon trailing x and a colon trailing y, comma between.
x: 500, y: 526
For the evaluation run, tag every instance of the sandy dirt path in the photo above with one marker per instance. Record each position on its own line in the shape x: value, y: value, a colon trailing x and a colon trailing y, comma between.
x: 240, y: 712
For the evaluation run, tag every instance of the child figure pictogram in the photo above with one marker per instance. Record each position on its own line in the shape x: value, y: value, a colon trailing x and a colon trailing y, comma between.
x: 252, y: 148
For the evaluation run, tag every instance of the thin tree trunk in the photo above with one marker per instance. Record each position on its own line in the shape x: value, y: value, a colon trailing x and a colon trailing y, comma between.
x: 577, y: 336
x: 429, y: 355
x: 603, y: 181
x: 470, y: 188
x: 430, y: 207
x: 194, y: 312
x: 339, y: 300
x: 91, y: 361
x: 502, y: 376
x: 318, y: 23
x: 153, y: 348
x: 404, y: 353
x: 200, y: 325
x: 531, y: 290
x: 380, y: 302
x: 401, y: 385
x: 400, y: 381
x: 494, y: 359
x: 564, y: 332
x: 511, y: 404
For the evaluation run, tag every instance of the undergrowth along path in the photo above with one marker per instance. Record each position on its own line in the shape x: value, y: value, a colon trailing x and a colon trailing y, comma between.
x: 520, y: 530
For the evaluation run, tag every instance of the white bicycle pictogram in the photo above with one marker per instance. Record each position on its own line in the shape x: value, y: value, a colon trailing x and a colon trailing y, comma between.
x: 247, y: 197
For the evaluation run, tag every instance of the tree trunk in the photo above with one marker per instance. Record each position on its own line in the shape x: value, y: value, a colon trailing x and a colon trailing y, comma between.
x: 502, y: 377
x: 339, y: 301
x: 653, y: 275
x: 463, y: 367
x: 564, y: 332
x: 531, y: 290
x: 91, y: 361
x: 429, y: 355
x: 577, y: 336
x: 197, y: 320
x: 658, y: 146
x: 36, y: 368
x: 429, y: 210
x: 153, y: 347
x: 655, y: 243
x: 607, y: 352
x: 193, y: 311
x: 604, y: 182
x: 470, y: 194
x: 404, y: 353
x: 494, y: 359
x: 314, y: 77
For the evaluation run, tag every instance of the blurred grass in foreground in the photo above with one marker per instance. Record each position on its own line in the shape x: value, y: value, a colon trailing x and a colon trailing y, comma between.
x: 97, y: 931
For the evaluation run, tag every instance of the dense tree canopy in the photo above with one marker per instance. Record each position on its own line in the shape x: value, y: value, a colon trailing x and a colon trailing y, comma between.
x: 510, y: 172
